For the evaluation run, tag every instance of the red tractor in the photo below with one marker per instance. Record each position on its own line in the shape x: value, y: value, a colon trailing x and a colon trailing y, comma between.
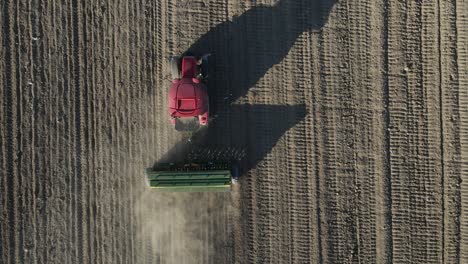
x: 188, y: 95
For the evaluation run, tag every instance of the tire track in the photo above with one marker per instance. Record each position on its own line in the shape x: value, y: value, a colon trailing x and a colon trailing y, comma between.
x: 299, y: 208
x: 299, y: 205
x: 450, y: 130
x: 387, y: 202
x: 269, y: 171
x: 417, y: 163
x: 435, y: 155
x: 394, y: 112
x: 283, y: 217
x: 20, y: 121
x: 15, y: 136
x: 414, y: 163
x: 159, y: 55
x: 368, y: 134
x: 395, y: 59
x: 249, y: 214
x: 262, y: 184
x: 316, y: 147
x: 325, y: 150
x: 461, y: 10
x: 287, y: 219
x: 20, y: 131
x: 423, y: 116
x: 266, y: 177
x: 339, y: 114
x: 9, y: 111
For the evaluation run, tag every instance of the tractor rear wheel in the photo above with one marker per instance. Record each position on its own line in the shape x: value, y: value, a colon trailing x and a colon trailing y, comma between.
x: 174, y: 63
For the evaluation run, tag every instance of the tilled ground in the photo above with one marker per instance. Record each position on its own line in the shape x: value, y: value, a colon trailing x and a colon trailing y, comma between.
x: 350, y: 119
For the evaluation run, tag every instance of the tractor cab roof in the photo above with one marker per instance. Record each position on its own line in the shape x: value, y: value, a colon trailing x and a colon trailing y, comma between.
x: 185, y: 97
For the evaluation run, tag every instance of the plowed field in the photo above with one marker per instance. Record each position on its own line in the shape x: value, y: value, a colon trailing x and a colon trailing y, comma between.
x: 350, y: 119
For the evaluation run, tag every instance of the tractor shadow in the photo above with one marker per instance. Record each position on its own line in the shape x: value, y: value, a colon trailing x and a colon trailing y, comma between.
x: 228, y: 138
x: 243, y: 50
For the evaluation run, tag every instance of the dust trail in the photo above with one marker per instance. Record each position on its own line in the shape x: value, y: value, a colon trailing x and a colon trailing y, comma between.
x: 187, y: 227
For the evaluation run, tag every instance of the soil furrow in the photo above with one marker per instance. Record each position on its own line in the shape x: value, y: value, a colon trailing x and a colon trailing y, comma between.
x: 118, y: 237
x: 126, y: 184
x: 127, y: 132
x: 80, y: 178
x: 69, y: 142
x: 138, y: 96
x: 3, y: 145
x: 94, y: 126
x: 39, y: 142
x: 51, y: 160
x: 112, y: 152
x: 87, y: 198
x: 24, y: 130
x: 99, y: 63
x: 58, y: 211
x: 130, y: 130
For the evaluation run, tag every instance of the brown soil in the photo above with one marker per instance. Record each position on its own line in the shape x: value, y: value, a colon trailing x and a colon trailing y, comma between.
x: 350, y: 119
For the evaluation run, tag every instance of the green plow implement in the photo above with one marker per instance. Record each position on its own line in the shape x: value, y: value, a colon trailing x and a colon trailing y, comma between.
x: 191, y: 177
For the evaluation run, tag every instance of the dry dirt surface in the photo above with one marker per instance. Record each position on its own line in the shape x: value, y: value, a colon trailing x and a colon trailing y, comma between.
x: 350, y: 120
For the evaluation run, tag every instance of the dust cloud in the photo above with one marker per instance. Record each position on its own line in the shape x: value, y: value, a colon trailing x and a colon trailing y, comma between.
x: 187, y: 227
